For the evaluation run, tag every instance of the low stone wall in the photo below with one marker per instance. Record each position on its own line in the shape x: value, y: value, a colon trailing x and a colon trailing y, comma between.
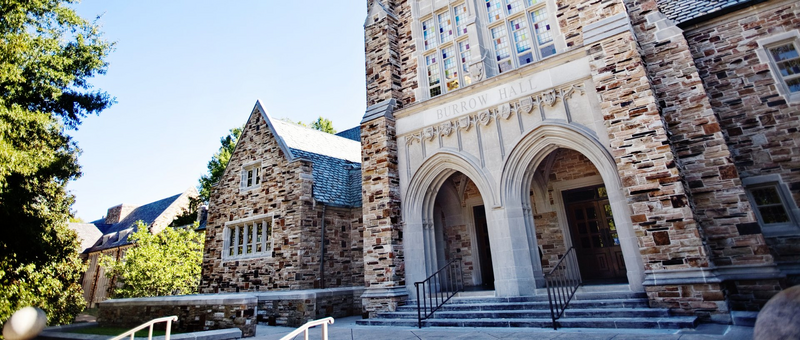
x: 200, y: 312
x: 296, y: 307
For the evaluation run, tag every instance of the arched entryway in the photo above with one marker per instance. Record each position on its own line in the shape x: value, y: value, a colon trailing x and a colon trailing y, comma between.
x: 571, y: 208
x: 462, y: 231
x: 569, y: 193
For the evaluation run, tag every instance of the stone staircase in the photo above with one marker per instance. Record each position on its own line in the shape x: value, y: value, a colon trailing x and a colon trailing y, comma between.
x: 588, y: 309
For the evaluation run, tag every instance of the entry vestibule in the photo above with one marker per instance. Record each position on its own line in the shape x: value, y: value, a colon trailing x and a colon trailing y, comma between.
x: 527, y: 215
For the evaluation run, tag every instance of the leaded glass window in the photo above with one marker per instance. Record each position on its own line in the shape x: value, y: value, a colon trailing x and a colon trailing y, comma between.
x: 787, y: 61
x: 252, y: 237
x: 527, y: 24
x: 769, y: 205
x: 446, y: 56
x: 445, y: 27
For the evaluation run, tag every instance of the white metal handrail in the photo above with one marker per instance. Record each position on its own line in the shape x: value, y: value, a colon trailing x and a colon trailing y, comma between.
x: 132, y: 332
x: 304, y: 329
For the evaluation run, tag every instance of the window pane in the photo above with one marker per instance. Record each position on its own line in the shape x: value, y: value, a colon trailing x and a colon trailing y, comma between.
x: 766, y: 195
x: 250, y: 177
x: 460, y: 12
x: 450, y: 68
x: 428, y: 34
x: 548, y: 50
x: 773, y: 214
x: 500, y: 42
x: 249, y: 238
x: 463, y: 48
x: 231, y: 240
x: 445, y: 27
x: 793, y: 84
x: 240, y: 240
x: 783, y: 52
x: 542, y: 26
x: 433, y: 75
x: 789, y: 67
x: 495, y: 9
x: 258, y: 174
x: 513, y: 6
x: 259, y: 236
x: 269, y: 231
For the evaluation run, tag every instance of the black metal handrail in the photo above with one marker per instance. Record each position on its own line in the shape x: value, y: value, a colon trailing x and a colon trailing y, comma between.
x: 438, y: 289
x: 562, y: 282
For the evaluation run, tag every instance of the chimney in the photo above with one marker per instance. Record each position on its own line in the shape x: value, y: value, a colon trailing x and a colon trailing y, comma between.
x: 118, y: 213
x: 202, y: 213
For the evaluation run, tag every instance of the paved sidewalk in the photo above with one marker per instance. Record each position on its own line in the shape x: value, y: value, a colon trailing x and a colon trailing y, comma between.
x: 346, y: 329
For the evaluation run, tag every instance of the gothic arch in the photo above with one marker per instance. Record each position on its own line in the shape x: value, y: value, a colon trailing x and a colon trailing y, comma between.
x: 531, y: 150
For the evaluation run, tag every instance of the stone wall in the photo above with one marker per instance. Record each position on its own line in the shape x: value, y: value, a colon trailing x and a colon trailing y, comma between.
x: 286, y: 193
x: 295, y: 308
x: 760, y: 126
x: 458, y: 244
x: 194, y: 312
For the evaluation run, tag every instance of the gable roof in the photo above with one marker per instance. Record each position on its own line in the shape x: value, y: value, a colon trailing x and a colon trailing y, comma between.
x: 115, y: 235
x: 336, y: 159
x: 687, y: 12
x: 88, y: 234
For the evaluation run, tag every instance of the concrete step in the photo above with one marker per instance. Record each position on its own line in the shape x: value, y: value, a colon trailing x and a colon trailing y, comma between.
x: 673, y: 322
x: 533, y: 314
x: 536, y: 305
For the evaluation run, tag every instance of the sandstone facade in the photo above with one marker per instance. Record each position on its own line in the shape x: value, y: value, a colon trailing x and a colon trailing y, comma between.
x: 676, y: 111
x: 285, y: 181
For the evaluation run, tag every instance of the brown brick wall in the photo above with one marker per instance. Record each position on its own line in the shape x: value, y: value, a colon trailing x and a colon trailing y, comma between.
x: 285, y: 193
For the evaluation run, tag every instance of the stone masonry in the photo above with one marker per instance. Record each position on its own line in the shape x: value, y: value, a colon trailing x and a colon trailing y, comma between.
x: 286, y: 193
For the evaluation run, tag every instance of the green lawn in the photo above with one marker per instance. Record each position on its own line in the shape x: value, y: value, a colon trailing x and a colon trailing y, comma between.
x: 117, y: 331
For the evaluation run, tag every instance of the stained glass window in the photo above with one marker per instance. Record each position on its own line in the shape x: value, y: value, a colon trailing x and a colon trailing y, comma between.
x: 495, y: 10
x: 460, y: 12
x: 514, y: 6
x: 445, y: 27
x: 450, y: 68
x: 428, y: 34
x: 433, y: 76
x: 463, y: 48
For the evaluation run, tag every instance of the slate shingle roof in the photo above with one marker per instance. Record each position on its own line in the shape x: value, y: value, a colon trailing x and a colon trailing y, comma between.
x: 336, y: 160
x: 692, y: 11
x: 115, y: 235
x: 351, y: 134
x: 88, y: 234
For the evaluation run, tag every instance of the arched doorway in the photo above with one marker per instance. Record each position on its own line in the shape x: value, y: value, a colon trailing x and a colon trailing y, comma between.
x: 546, y: 164
x: 462, y: 231
x: 571, y: 208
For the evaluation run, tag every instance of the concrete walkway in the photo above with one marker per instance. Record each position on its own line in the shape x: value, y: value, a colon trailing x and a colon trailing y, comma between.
x: 346, y: 329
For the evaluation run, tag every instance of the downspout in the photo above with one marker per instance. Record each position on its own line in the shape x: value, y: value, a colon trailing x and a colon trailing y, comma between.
x: 322, y: 251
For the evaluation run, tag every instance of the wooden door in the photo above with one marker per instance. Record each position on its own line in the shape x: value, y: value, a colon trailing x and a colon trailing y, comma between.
x: 594, y: 236
x: 484, y: 250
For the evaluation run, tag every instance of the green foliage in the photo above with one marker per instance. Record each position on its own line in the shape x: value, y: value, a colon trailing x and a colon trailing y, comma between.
x: 218, y: 162
x: 53, y: 287
x: 324, y: 125
x: 47, y: 55
x: 167, y: 263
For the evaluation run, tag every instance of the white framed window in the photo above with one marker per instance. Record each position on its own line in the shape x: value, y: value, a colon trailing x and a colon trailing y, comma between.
x: 251, y: 176
x: 782, y: 53
x: 521, y: 32
x: 772, y: 204
x: 446, y: 50
x: 250, y: 237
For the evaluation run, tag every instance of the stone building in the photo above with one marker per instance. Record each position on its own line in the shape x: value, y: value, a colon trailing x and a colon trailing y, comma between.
x: 109, y: 236
x: 655, y: 139
x: 659, y: 139
x: 286, y: 214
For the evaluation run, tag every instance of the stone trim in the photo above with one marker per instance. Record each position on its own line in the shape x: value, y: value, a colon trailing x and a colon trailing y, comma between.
x: 179, y: 300
x: 606, y: 28
x: 711, y: 275
x: 504, y: 111
x: 382, y: 109
x: 377, y: 293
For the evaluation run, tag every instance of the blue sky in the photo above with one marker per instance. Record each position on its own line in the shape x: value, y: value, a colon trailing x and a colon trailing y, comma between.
x: 185, y: 72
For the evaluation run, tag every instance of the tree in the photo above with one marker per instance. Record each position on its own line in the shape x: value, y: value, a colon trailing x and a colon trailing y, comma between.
x: 218, y: 162
x: 47, y: 55
x: 324, y: 125
x: 167, y: 263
